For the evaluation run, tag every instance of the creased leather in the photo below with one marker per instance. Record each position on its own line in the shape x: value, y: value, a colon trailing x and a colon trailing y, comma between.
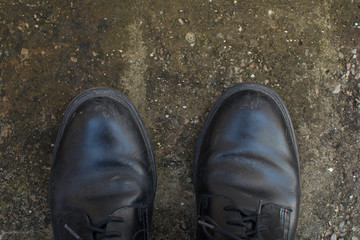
x: 248, y: 154
x: 103, y: 164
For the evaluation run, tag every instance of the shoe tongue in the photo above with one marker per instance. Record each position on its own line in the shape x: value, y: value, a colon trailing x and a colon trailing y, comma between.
x: 276, y: 220
x: 134, y: 225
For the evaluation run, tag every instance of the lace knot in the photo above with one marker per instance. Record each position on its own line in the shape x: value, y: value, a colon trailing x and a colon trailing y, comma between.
x: 98, y: 228
x: 249, y: 221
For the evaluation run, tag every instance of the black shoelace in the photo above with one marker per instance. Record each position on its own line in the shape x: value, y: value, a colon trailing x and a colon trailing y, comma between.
x: 98, y: 227
x: 249, y: 222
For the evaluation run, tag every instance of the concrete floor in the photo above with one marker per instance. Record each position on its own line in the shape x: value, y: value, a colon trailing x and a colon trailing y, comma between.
x: 173, y: 59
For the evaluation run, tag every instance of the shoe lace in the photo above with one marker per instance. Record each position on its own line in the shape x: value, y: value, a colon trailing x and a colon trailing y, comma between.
x: 249, y: 223
x: 98, y: 227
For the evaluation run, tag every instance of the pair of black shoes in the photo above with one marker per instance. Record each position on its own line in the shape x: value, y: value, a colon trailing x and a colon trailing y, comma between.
x: 246, y: 169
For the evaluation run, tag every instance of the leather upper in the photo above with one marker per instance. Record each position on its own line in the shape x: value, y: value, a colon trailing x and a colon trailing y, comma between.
x: 247, y: 155
x: 103, y: 166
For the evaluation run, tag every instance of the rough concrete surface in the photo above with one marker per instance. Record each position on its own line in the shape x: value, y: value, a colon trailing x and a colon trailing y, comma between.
x: 173, y: 59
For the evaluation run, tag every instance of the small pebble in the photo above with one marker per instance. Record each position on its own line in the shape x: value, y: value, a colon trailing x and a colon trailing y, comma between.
x: 333, y: 237
x: 181, y: 21
x: 341, y: 207
x: 357, y: 77
x: 353, y: 71
x: 358, y: 85
x: 24, y: 52
x: 337, y: 89
x: 183, y: 225
x: 190, y: 37
x: 176, y: 122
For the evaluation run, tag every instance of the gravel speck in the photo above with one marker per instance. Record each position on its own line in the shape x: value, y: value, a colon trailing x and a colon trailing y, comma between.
x: 181, y: 21
x: 337, y: 89
x: 190, y: 37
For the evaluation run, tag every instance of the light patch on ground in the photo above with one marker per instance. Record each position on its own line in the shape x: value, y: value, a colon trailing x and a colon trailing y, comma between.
x: 5, y: 132
x: 133, y: 79
x: 319, y: 156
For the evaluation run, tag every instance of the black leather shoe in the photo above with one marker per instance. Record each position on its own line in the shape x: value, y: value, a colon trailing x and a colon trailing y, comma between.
x: 103, y: 175
x: 246, y: 168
